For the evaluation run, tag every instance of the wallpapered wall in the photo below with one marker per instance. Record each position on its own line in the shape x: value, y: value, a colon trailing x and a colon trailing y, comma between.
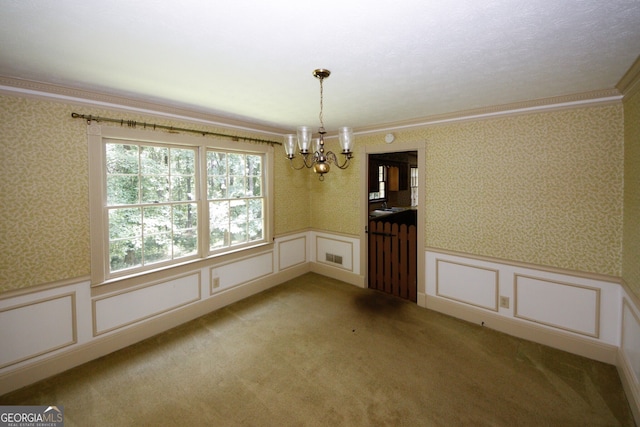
x: 44, y: 201
x: 544, y: 188
x: 335, y: 201
x: 631, y: 246
x: 44, y: 213
x: 332, y: 204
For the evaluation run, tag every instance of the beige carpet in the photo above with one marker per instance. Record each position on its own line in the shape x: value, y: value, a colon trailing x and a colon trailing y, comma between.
x: 318, y: 352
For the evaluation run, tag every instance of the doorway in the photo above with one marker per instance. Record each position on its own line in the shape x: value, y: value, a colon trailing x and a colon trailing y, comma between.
x: 392, y: 213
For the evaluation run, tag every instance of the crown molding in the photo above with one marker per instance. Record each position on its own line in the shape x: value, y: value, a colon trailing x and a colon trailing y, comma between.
x: 29, y: 88
x: 630, y: 82
x: 41, y: 90
x: 578, y: 100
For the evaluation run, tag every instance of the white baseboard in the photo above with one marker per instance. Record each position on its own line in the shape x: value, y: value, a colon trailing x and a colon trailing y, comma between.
x: 339, y: 274
x: 422, y: 299
x: 529, y: 331
x: 629, y: 384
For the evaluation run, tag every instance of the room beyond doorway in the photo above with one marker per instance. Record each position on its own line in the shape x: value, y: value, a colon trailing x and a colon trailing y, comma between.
x: 392, y: 190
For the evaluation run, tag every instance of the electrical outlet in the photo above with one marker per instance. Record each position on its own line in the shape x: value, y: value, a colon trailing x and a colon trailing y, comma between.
x: 504, y: 302
x: 216, y: 282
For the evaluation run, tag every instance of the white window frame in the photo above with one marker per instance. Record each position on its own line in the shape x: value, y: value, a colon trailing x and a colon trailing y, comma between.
x: 99, y: 223
x: 230, y: 247
x: 383, y: 173
x: 414, y: 183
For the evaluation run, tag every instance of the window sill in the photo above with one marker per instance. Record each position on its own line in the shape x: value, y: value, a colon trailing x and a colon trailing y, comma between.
x: 162, y: 273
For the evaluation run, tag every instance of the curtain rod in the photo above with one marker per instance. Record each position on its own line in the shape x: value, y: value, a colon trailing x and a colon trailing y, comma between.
x: 133, y: 124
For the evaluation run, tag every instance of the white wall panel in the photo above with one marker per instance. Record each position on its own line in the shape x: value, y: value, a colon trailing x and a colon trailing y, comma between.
x: 35, y: 328
x: 568, y: 306
x: 577, y: 304
x: 292, y: 252
x: 115, y: 311
x: 335, y: 246
x: 243, y: 271
x: 631, y: 339
x: 470, y: 284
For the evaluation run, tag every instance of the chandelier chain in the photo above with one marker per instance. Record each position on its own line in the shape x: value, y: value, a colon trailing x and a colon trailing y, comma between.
x: 321, y: 106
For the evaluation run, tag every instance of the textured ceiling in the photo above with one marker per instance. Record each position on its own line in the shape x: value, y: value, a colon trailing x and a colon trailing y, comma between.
x: 391, y: 61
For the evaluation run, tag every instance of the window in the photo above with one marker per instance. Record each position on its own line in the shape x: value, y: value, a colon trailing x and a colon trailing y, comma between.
x: 381, y: 194
x: 160, y: 199
x: 414, y: 186
x: 235, y: 197
x: 151, y: 204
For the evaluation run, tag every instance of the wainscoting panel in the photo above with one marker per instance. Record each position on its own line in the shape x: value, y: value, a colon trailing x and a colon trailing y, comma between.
x: 629, y: 353
x: 50, y: 328
x: 568, y: 306
x: 335, y: 251
x: 631, y: 339
x: 35, y: 328
x: 241, y: 271
x: 543, y: 303
x: 131, y: 306
x: 292, y: 252
x: 470, y: 284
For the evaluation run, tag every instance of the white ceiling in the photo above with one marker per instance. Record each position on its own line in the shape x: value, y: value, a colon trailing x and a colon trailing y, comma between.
x: 391, y: 60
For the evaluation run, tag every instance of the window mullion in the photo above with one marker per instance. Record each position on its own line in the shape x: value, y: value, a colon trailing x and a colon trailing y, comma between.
x: 202, y: 202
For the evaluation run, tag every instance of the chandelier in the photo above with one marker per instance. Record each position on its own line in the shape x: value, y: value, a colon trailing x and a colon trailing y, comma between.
x: 318, y: 159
